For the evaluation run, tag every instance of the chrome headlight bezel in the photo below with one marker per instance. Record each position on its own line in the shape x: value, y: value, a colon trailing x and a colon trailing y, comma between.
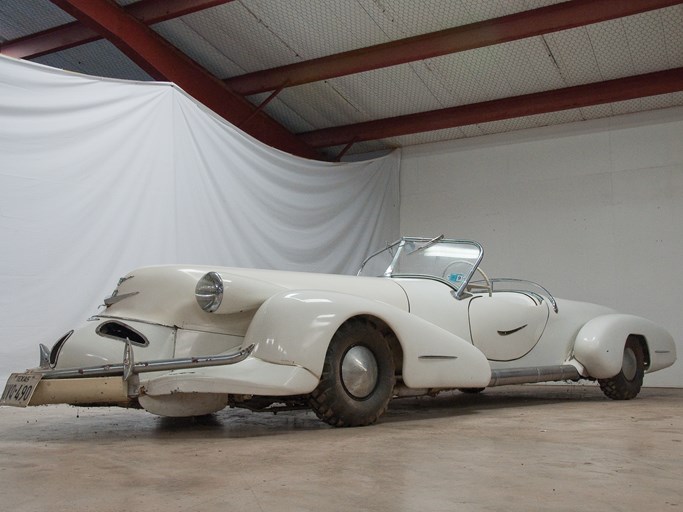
x: 209, y: 291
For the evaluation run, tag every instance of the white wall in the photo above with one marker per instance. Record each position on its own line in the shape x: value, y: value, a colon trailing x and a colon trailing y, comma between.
x: 593, y: 210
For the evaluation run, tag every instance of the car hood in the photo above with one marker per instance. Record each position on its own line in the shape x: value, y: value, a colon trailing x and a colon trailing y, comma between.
x: 166, y: 294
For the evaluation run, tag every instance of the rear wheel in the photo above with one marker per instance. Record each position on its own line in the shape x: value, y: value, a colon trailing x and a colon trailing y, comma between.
x: 627, y: 383
x: 358, y: 377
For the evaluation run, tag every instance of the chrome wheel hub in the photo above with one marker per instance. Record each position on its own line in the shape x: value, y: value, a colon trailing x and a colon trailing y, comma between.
x: 629, y: 366
x: 359, y: 372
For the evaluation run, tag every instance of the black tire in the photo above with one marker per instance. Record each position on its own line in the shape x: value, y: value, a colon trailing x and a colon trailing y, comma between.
x: 627, y: 383
x: 471, y: 391
x: 354, y: 403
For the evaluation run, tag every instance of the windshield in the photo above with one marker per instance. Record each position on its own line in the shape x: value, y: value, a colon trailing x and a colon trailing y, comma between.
x: 452, y: 261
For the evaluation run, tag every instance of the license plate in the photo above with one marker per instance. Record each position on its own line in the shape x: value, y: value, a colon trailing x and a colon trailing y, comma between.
x: 19, y: 389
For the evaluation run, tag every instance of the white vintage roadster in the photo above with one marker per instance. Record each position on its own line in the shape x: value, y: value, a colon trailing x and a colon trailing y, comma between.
x: 421, y: 317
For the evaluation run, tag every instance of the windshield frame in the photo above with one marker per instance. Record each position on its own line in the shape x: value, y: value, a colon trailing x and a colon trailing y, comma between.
x: 397, y: 250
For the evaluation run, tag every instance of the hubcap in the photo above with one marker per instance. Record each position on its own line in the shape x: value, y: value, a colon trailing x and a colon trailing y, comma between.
x: 359, y: 371
x: 629, y: 366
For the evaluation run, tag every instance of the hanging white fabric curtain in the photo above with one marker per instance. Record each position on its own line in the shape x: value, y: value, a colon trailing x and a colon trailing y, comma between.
x: 101, y: 176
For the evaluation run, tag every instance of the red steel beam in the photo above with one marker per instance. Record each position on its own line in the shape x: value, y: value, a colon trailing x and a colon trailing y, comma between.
x: 163, y: 61
x: 620, y: 89
x: 525, y: 24
x: 73, y: 34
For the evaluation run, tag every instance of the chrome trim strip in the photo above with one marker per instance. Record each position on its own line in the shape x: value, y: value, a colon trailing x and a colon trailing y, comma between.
x: 388, y: 247
x: 512, y: 331
x: 129, y: 367
x: 127, y: 319
x: 390, y: 269
x: 512, y: 280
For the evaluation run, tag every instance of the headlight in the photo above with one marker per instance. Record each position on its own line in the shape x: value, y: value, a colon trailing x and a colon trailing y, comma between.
x: 209, y: 292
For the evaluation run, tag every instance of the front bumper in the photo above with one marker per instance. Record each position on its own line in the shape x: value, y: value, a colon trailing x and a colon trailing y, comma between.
x: 174, y: 387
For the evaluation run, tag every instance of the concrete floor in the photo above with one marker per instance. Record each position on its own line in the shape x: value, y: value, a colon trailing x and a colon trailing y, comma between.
x: 516, y: 448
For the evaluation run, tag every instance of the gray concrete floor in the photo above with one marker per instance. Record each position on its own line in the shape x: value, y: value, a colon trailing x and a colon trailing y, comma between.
x: 516, y: 448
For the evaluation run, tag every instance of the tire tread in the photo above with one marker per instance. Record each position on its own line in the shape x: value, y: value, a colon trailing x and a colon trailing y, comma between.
x: 326, y: 401
x: 619, y: 387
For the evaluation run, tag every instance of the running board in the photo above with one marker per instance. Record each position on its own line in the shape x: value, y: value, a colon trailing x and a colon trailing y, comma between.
x: 507, y: 376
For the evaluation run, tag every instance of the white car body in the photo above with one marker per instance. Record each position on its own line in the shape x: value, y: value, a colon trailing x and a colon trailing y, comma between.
x: 263, y: 339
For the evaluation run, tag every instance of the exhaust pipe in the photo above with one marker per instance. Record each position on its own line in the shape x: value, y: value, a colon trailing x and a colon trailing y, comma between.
x: 534, y: 375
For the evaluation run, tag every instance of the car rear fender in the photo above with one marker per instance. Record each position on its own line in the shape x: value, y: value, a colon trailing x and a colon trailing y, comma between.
x: 599, y: 345
x: 296, y: 327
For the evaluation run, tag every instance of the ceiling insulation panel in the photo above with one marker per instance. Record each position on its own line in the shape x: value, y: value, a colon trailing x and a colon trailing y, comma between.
x: 19, y: 18
x: 99, y: 58
x: 244, y: 36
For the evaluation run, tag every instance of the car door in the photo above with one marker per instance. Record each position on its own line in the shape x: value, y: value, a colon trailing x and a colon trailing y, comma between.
x: 507, y: 325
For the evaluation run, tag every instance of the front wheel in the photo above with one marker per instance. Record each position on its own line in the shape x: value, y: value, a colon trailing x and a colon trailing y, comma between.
x: 358, y: 379
x: 627, y: 383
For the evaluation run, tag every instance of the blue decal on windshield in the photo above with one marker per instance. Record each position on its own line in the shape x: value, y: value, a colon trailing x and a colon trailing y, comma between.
x: 456, y: 278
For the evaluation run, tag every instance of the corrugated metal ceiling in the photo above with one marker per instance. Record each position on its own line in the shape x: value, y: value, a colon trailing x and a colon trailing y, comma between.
x: 244, y: 36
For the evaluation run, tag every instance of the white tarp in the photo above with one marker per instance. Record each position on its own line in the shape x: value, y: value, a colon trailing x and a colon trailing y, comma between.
x: 99, y: 176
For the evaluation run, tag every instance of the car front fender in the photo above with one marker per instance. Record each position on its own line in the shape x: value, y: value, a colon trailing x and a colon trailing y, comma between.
x: 296, y: 327
x: 599, y: 345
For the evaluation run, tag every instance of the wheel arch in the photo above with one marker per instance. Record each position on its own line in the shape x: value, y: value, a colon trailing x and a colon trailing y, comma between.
x: 296, y: 327
x: 427, y: 356
x: 600, y: 343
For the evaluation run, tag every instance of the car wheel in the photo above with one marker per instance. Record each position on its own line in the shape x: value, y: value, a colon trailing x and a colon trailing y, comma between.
x: 627, y: 383
x: 358, y: 379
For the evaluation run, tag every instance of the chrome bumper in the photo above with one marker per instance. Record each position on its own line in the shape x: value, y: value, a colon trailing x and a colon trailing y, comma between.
x: 129, y: 367
x: 114, y: 384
